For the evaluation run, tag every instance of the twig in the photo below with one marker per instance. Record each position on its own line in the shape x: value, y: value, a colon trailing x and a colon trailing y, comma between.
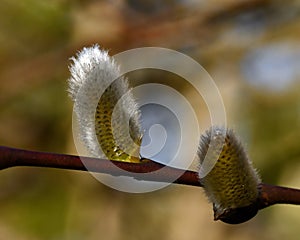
x: 11, y: 157
x: 270, y: 195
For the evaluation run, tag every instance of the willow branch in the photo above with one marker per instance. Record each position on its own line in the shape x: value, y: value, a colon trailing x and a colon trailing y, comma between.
x: 270, y: 195
x: 12, y: 157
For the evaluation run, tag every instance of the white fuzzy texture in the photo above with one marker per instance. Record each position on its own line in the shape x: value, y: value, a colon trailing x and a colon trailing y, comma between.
x: 92, y: 65
x: 92, y: 72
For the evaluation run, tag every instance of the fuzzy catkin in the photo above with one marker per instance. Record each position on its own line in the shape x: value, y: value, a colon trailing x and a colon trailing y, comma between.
x: 98, y: 90
x: 232, y: 182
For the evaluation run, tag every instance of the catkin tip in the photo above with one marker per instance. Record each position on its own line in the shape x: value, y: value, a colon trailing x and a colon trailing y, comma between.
x: 90, y: 63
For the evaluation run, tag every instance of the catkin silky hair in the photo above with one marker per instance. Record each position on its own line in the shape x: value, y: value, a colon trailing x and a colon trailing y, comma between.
x: 93, y: 72
x: 232, y: 184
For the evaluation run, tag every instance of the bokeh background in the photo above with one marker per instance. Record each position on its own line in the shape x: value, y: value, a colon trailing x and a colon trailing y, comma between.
x: 250, y: 48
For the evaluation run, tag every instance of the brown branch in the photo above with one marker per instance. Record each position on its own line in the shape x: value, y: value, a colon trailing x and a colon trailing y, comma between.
x: 270, y: 195
x: 11, y: 157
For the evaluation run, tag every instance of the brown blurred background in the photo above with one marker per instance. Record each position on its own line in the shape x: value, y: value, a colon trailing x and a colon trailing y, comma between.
x: 250, y: 48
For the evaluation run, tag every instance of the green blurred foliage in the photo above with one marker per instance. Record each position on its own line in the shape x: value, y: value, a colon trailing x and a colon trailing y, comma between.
x: 31, y: 27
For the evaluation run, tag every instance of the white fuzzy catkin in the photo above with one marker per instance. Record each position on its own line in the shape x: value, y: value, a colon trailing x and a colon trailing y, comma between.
x: 93, y: 75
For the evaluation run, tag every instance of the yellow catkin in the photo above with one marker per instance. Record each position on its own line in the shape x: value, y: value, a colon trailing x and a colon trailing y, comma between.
x: 233, y: 182
x: 104, y: 128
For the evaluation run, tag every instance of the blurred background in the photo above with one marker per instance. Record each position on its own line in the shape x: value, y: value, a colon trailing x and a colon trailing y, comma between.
x: 251, y: 50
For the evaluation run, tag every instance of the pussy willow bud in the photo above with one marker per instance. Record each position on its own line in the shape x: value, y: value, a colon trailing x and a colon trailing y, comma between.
x: 232, y: 184
x: 93, y: 71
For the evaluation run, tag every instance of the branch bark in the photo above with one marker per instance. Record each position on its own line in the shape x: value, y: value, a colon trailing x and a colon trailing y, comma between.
x: 12, y: 157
